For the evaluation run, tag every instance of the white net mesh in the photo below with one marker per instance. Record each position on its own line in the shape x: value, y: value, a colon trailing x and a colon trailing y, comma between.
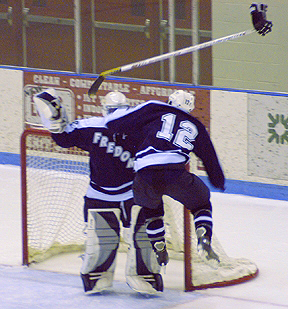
x: 56, y: 182
x: 201, y: 275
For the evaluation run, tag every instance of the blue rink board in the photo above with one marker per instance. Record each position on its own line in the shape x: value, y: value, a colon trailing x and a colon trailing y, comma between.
x: 256, y: 189
x: 25, y: 288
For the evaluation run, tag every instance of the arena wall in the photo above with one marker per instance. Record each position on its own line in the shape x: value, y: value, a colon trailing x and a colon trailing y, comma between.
x: 254, y: 61
x: 249, y: 128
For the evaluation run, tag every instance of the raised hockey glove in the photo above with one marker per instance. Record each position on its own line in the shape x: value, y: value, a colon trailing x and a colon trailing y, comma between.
x: 261, y: 24
x: 53, y: 114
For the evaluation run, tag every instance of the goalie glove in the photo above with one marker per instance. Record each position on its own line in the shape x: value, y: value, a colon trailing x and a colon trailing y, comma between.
x: 53, y: 114
x: 261, y: 24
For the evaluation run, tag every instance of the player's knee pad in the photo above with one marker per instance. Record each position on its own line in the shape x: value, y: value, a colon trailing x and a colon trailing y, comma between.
x: 103, y: 235
x: 142, y: 270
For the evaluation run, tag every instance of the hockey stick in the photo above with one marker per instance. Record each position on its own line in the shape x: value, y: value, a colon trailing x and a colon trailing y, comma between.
x: 95, y: 86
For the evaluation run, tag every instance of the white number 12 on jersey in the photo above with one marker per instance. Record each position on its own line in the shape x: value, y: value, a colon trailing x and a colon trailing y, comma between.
x: 184, y: 136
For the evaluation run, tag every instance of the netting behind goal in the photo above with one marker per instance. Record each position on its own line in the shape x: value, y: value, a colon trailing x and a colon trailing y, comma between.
x: 54, y: 182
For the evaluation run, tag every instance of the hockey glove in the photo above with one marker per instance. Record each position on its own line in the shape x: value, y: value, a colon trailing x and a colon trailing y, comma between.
x: 261, y: 24
x: 52, y: 113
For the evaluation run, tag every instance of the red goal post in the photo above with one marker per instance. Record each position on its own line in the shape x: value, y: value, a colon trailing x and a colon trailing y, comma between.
x: 54, y: 181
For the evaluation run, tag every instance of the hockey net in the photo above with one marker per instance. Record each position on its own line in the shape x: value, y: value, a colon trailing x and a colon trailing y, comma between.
x: 54, y: 182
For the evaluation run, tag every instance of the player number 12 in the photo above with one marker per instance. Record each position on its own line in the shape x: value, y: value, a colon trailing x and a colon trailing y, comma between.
x: 185, y: 135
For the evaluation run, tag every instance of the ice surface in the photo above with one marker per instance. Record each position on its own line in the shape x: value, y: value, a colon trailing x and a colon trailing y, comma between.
x: 254, y: 228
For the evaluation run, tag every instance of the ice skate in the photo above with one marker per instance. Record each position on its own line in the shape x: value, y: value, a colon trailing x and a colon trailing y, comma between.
x: 161, y: 253
x: 205, y: 250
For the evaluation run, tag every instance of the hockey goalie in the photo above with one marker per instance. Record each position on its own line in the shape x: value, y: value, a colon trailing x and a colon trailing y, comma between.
x: 108, y: 200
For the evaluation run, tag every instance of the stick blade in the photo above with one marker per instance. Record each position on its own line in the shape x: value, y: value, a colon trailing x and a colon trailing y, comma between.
x: 95, y: 86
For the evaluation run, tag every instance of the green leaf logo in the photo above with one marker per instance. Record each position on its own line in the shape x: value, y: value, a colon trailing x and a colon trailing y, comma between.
x: 278, y: 128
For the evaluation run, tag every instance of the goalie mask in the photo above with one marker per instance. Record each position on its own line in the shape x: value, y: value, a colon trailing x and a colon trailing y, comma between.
x: 112, y: 101
x: 183, y: 100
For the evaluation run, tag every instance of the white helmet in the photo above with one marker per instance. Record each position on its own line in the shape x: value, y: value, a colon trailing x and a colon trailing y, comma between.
x: 182, y: 99
x: 112, y: 101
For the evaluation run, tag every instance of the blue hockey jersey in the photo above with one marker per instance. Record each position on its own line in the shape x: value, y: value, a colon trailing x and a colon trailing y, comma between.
x: 161, y: 134
x: 111, y: 166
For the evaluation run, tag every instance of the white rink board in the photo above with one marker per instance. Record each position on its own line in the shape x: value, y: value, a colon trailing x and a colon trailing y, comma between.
x: 268, y: 136
x: 229, y: 131
x: 11, y: 109
x: 239, y: 131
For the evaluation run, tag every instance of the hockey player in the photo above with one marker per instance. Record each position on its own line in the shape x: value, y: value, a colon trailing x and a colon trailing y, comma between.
x: 164, y: 135
x: 109, y: 197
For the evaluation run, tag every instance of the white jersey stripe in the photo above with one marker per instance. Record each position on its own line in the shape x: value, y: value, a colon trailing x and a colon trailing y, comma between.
x: 203, y: 218
x: 91, y: 193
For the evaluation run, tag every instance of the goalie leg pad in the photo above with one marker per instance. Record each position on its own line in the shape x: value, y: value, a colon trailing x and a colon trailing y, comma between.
x: 142, y: 270
x: 103, y: 235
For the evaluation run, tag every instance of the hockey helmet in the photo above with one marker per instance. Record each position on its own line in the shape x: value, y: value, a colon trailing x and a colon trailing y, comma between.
x: 112, y: 101
x: 183, y: 100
